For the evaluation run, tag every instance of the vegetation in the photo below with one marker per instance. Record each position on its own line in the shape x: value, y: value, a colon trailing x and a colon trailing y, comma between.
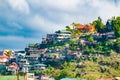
x: 116, y: 26
x: 10, y: 78
x: 100, y: 57
x: 99, y: 25
x: 100, y: 54
x: 8, y: 52
x: 92, y: 68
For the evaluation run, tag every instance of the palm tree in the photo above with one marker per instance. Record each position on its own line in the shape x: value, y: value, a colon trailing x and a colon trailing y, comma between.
x: 8, y: 52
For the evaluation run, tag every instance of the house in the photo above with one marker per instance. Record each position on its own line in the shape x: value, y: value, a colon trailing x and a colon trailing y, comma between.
x: 33, y: 56
x: 33, y: 53
x: 107, y: 35
x: 39, y: 66
x: 13, y: 67
x: 110, y: 35
x: 33, y: 46
x: 44, y: 77
x: 29, y: 68
x: 26, y: 68
x: 4, y: 59
x: 20, y: 56
x: 51, y: 54
x: 23, y: 62
x: 86, y: 28
x: 62, y: 35
x: 52, y: 37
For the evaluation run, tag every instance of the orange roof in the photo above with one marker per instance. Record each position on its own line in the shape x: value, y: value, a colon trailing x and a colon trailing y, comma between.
x: 90, y: 27
x: 80, y: 27
x: 4, y: 57
x: 84, y: 26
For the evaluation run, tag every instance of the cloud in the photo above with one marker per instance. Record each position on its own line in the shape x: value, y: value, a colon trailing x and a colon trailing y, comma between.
x: 19, y: 5
x: 58, y: 5
x: 24, y: 21
x: 41, y: 24
x: 107, y: 8
x: 83, y: 11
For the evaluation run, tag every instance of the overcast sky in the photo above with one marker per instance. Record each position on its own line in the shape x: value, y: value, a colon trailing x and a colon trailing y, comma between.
x: 24, y: 21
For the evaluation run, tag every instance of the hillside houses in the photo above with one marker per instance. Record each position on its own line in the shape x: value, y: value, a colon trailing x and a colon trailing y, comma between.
x: 38, y: 56
x: 86, y: 28
x: 3, y: 59
x: 60, y: 35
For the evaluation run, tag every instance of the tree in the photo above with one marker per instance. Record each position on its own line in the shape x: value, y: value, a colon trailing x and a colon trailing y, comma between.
x: 116, y: 26
x: 7, y: 52
x: 74, y: 31
x: 109, y: 26
x: 91, y: 39
x: 68, y: 28
x: 117, y: 45
x: 99, y: 25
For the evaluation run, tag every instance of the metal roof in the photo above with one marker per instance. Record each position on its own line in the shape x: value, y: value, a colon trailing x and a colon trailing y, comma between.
x: 40, y: 65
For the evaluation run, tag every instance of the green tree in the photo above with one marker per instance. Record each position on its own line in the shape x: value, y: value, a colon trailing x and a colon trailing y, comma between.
x: 116, y: 26
x: 90, y: 39
x: 8, y: 52
x: 117, y: 45
x: 74, y: 31
x: 69, y: 29
x: 99, y: 25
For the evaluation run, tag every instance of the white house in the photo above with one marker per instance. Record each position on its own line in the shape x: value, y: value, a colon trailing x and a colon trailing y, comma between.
x: 3, y: 59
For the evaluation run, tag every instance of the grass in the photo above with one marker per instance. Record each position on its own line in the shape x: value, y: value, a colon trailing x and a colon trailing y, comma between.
x: 10, y: 78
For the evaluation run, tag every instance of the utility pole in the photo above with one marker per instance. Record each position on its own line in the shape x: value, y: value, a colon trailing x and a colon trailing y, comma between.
x: 17, y: 73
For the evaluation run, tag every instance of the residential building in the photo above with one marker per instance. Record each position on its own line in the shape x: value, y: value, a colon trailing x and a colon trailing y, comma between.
x: 26, y: 68
x: 23, y: 62
x: 33, y: 53
x: 4, y: 59
x: 40, y: 66
x: 51, y: 38
x: 86, y: 28
x: 33, y: 56
x: 13, y: 67
x: 62, y: 35
x: 19, y: 56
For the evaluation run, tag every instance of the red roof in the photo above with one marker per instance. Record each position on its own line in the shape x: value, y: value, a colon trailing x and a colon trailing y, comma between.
x: 4, y: 57
x: 81, y: 27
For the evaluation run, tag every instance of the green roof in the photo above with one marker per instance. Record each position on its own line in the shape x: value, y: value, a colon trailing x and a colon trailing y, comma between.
x: 64, y: 31
x: 31, y: 44
x: 39, y: 65
x: 2, y: 67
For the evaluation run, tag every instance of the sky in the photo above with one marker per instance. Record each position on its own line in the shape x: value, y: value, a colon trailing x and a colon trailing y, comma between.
x: 26, y: 21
